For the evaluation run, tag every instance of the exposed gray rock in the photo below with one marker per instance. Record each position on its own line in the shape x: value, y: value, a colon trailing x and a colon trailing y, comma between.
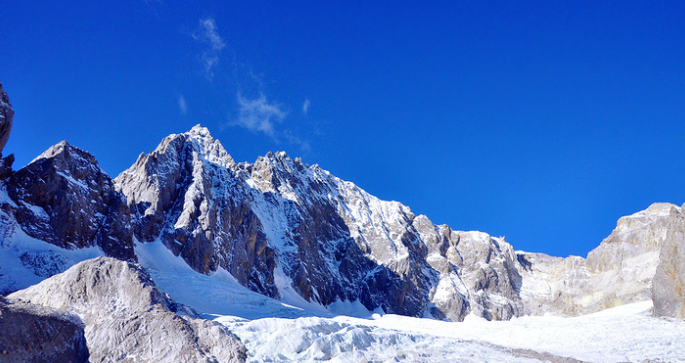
x: 669, y: 280
x: 32, y: 333
x: 186, y: 194
x: 6, y: 115
x: 619, y: 271
x: 476, y: 273
x: 64, y: 198
x: 128, y: 319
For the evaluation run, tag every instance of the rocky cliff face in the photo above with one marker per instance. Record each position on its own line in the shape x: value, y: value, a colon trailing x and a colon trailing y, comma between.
x: 279, y: 224
x: 186, y: 193
x: 128, y: 319
x: 6, y: 115
x: 669, y: 280
x: 618, y: 272
x: 63, y: 197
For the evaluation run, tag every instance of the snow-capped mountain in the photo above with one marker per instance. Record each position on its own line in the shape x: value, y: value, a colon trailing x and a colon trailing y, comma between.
x: 279, y: 248
x: 283, y: 228
x: 279, y: 225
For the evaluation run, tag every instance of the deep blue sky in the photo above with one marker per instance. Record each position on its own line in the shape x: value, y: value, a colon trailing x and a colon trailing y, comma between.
x: 544, y: 121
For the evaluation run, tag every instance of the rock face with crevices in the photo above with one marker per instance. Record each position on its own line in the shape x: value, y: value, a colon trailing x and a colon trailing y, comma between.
x: 63, y: 197
x: 669, y: 281
x: 128, y: 319
x: 280, y: 225
x: 619, y: 271
x: 6, y: 115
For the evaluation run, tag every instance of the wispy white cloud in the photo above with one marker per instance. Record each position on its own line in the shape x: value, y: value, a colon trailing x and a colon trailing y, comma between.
x: 207, y: 34
x: 305, y: 106
x: 182, y: 105
x: 296, y: 140
x: 259, y: 115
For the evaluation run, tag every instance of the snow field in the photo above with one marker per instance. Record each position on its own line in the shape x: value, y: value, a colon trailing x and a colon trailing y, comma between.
x: 298, y: 331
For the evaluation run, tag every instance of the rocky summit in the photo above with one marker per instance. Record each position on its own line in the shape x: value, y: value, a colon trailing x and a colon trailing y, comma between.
x: 64, y: 198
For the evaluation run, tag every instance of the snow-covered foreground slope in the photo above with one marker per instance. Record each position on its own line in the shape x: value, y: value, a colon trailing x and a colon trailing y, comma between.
x: 624, y: 334
x: 276, y: 331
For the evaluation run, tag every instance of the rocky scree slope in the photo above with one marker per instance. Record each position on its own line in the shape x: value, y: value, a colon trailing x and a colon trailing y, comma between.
x: 279, y: 224
x: 127, y: 318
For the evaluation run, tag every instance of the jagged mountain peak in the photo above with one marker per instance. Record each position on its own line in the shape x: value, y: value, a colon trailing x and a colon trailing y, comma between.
x: 65, y: 198
x: 206, y: 146
x: 280, y: 160
x: 194, y: 145
x: 68, y: 154
x: 199, y: 130
x: 156, y: 178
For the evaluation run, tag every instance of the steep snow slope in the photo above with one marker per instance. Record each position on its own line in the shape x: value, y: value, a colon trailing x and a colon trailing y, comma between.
x: 26, y: 261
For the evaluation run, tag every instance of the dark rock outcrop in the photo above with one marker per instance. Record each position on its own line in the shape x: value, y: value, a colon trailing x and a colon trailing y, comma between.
x: 6, y: 115
x: 64, y: 198
x: 32, y: 333
x: 128, y: 318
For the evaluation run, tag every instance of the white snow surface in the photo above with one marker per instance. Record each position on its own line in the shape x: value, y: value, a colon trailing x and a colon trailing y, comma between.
x: 624, y: 334
x: 294, y: 330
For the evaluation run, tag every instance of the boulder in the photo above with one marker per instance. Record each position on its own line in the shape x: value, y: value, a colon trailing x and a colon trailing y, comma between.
x: 32, y: 333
